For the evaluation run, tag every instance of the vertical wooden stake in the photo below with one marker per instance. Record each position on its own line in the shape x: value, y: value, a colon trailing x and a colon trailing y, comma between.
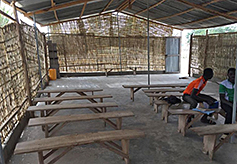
x: 190, y: 55
x: 132, y: 94
x: 46, y: 60
x: 41, y: 158
x: 119, y: 123
x: 125, y: 148
x: 209, y: 142
x: 27, y: 81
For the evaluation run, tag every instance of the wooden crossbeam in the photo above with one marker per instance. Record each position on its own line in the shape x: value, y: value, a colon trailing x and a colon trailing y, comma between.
x: 106, y: 6
x: 209, y: 10
x: 55, y: 12
x: 56, y: 7
x: 152, y: 6
x: 6, y: 15
x: 83, y: 9
x: 186, y: 11
x: 125, y: 4
x: 205, y: 19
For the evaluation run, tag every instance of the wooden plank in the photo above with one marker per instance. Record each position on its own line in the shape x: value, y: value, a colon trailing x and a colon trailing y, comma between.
x: 215, y: 129
x: 71, y: 106
x: 81, y: 117
x: 68, y: 90
x: 163, y: 90
x: 49, y: 99
x: 156, y: 85
x: 182, y: 112
x: 74, y: 140
x: 163, y: 94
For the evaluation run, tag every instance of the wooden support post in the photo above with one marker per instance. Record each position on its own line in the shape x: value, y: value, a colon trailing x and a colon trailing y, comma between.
x: 46, y: 131
x: 22, y: 54
x: 165, y: 112
x: 132, y: 94
x: 209, y: 142
x: 119, y: 123
x: 182, y: 124
x: 41, y: 157
x: 104, y: 111
x: 206, y: 49
x: 190, y: 55
x: 156, y: 107
x: 46, y: 60
x: 125, y: 148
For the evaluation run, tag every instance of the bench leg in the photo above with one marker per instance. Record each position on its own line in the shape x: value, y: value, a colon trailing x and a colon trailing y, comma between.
x: 132, y: 94
x: 119, y: 123
x: 104, y: 111
x: 41, y: 157
x: 125, y: 148
x: 165, y: 112
x: 151, y: 100
x: 182, y: 124
x: 156, y: 107
x: 209, y: 142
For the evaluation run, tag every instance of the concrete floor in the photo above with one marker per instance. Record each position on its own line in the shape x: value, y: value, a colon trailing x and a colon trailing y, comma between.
x: 162, y: 144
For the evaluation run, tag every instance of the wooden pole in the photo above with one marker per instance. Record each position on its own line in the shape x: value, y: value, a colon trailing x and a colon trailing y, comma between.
x: 24, y: 63
x: 190, y: 55
x: 205, y: 52
x: 46, y: 59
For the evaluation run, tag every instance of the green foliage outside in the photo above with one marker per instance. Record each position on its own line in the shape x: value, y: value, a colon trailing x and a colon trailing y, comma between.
x: 223, y: 29
x: 4, y: 20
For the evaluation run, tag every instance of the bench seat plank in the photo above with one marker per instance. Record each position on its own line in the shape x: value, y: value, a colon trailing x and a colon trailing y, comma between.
x: 81, y: 117
x: 215, y: 129
x: 182, y: 112
x: 163, y: 94
x: 163, y: 90
x: 71, y: 106
x: 49, y: 99
x: 156, y: 85
x: 75, y: 140
x: 68, y: 90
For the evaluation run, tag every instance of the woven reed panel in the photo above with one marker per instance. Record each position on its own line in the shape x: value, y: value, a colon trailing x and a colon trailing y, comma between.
x: 221, y: 53
x: 13, y: 102
x: 91, y: 45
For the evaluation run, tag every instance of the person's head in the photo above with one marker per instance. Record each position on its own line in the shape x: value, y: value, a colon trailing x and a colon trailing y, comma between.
x: 207, y: 73
x: 231, y: 75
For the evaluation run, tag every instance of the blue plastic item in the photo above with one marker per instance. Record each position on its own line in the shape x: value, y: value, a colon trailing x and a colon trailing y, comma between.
x: 205, y: 112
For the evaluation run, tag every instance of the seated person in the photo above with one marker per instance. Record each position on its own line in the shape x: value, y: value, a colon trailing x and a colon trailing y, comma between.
x: 226, y: 91
x: 193, y: 96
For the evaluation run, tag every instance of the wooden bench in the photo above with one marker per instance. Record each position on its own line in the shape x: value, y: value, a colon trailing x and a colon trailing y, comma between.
x: 104, y: 138
x: 63, y: 91
x: 108, y: 70
x: 45, y: 121
x: 183, y: 116
x: 210, y: 133
x: 134, y: 69
x: 135, y: 88
x: 57, y: 100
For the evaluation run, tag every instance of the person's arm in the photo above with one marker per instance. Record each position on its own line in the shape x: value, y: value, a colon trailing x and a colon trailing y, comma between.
x: 224, y: 101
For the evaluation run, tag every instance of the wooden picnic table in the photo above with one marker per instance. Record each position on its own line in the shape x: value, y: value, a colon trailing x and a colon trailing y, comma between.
x: 63, y: 91
x: 58, y: 100
x: 135, y: 88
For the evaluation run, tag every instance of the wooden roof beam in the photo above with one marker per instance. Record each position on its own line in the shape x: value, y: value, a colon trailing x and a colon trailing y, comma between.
x: 83, y: 9
x: 208, y: 10
x: 106, y: 6
x: 55, y: 12
x: 6, y: 15
x: 56, y: 7
x: 202, y: 20
x: 151, y: 21
x: 125, y: 4
x: 186, y: 11
x: 152, y: 6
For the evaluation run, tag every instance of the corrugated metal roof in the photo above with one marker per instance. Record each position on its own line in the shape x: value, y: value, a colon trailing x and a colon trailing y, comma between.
x: 185, y: 14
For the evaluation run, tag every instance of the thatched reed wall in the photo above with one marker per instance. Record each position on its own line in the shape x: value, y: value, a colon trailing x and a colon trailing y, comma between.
x: 92, y: 45
x: 13, y: 102
x: 217, y: 51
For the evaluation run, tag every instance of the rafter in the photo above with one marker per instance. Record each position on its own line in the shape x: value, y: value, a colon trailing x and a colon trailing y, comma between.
x: 56, y: 7
x: 186, y: 11
x: 83, y: 9
x: 49, y: 24
x: 152, y: 6
x: 202, y: 20
x: 55, y: 12
x: 106, y: 6
x: 208, y: 10
x: 6, y: 15
x: 125, y: 4
x: 151, y: 21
